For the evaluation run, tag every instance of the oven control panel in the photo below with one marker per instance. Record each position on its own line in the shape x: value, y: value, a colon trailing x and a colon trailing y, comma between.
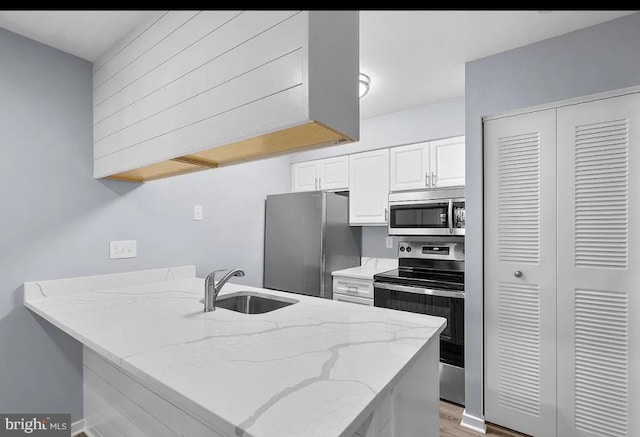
x: 422, y: 250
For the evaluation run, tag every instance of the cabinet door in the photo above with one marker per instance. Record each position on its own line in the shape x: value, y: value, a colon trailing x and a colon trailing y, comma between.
x: 447, y: 162
x: 598, y: 268
x: 409, y: 167
x: 369, y: 188
x: 304, y: 176
x: 334, y: 173
x: 520, y: 272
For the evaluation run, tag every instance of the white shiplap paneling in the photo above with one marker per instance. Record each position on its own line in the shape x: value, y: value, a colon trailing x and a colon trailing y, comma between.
x: 281, y: 74
x: 193, y: 81
x: 145, y: 41
x: 224, y: 65
x: 275, y: 109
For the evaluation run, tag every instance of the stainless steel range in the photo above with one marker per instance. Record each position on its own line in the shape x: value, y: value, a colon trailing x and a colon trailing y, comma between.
x: 430, y: 280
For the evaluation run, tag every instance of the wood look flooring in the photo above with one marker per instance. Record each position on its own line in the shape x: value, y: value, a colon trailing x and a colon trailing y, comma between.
x: 450, y: 416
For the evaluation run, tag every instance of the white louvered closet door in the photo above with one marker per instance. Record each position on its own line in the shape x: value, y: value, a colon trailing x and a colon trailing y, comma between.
x: 599, y: 268
x: 520, y: 265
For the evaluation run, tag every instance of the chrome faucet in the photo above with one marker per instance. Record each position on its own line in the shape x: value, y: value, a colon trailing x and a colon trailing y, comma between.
x: 211, y: 289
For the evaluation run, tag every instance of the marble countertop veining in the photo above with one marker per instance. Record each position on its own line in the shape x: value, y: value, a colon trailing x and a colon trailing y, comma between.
x: 309, y: 369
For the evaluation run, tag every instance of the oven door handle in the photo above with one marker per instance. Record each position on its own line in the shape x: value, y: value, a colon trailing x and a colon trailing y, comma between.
x: 418, y: 290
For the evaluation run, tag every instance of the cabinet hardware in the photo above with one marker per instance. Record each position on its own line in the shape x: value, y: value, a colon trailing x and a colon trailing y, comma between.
x: 386, y: 214
x: 426, y: 179
x: 450, y: 216
x: 433, y: 180
x: 517, y: 274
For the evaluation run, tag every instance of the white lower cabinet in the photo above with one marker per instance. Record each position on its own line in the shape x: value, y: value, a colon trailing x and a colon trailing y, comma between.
x: 353, y: 299
x: 369, y: 188
x: 352, y: 287
x: 562, y: 308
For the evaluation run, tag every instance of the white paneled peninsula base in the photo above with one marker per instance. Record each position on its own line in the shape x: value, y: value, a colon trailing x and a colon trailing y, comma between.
x: 156, y: 365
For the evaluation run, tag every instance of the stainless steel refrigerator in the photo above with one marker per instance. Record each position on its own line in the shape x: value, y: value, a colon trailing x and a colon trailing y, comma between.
x: 307, y: 236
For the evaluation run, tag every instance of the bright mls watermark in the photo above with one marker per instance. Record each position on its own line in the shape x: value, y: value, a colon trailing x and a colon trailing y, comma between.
x: 35, y: 425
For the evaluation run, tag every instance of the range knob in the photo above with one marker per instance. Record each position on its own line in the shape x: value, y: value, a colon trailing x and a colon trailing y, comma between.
x: 401, y: 248
x: 409, y: 249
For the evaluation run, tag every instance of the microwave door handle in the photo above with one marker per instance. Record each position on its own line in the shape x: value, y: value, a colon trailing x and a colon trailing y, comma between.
x: 450, y: 216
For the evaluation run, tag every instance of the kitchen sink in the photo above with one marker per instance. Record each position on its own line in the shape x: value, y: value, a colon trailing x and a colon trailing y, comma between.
x: 251, y: 302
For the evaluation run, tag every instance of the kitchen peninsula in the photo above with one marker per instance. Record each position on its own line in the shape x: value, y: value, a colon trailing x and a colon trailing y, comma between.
x: 156, y: 364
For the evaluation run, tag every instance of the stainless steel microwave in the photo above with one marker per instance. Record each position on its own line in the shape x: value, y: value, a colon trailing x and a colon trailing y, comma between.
x: 427, y: 212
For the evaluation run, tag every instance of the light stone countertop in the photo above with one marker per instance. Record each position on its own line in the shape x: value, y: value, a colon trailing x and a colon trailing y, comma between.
x: 315, y: 368
x: 368, y: 268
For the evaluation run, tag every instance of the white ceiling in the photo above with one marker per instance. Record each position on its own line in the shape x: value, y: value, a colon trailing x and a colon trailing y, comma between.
x: 86, y: 34
x: 412, y: 57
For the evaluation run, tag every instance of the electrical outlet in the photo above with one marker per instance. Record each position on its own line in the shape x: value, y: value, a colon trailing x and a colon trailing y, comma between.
x: 389, y: 242
x: 123, y: 249
x: 197, y: 212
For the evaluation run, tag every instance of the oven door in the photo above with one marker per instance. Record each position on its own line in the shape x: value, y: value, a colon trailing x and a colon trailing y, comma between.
x: 433, y: 217
x: 448, y: 304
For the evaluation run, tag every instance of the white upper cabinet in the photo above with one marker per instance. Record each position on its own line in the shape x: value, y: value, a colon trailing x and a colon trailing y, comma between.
x: 431, y: 164
x: 369, y: 188
x: 409, y: 167
x: 191, y: 90
x: 447, y: 162
x: 329, y: 174
x: 334, y: 173
x: 304, y: 176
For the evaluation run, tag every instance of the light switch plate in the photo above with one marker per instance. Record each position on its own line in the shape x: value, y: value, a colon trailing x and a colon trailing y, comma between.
x: 123, y: 249
x: 389, y: 242
x: 197, y: 212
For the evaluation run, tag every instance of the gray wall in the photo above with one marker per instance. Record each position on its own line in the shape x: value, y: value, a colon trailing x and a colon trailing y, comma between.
x: 374, y: 242
x: 596, y: 59
x: 430, y: 122
x: 57, y: 221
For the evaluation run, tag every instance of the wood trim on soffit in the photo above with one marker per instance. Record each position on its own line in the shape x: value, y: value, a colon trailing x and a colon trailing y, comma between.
x: 297, y: 138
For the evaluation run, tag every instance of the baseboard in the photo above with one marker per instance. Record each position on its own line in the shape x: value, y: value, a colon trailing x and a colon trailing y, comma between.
x: 77, y: 427
x: 473, y: 423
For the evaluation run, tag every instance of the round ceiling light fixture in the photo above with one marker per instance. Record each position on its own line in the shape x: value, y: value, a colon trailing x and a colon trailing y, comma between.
x: 363, y: 83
